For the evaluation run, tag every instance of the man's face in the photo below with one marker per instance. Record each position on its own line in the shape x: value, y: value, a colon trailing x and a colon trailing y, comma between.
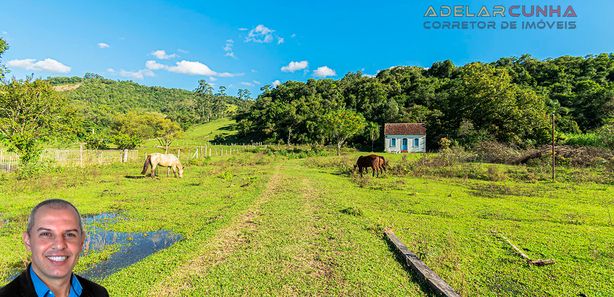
x: 55, y: 242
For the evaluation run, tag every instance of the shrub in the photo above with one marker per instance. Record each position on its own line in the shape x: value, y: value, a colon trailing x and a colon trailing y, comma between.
x: 588, y: 139
x: 353, y: 211
x: 495, y: 152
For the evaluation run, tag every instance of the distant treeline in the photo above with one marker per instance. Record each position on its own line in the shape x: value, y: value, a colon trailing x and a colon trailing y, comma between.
x: 510, y: 100
x: 100, y: 101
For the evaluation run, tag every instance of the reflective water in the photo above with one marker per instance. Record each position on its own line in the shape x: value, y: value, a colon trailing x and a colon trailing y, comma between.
x: 133, y: 246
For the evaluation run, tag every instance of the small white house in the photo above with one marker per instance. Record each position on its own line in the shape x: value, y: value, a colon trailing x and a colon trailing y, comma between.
x: 404, y: 137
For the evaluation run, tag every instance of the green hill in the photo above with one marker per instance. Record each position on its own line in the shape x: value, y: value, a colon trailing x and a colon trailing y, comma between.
x: 121, y: 95
x: 201, y: 134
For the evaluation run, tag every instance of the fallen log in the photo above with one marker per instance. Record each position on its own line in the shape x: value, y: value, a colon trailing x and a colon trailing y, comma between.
x: 436, y: 283
x: 538, y: 262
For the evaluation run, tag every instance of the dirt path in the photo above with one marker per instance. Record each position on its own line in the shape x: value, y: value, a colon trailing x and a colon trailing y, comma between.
x: 226, y: 241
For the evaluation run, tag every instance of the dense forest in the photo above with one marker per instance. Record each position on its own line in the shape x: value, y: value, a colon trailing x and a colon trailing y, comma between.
x: 510, y: 100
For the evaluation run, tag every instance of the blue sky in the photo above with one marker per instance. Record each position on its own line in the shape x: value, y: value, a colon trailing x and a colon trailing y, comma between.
x: 248, y: 44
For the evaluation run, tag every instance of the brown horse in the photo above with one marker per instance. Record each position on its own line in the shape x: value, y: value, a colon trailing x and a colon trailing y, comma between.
x: 377, y: 164
x: 166, y: 160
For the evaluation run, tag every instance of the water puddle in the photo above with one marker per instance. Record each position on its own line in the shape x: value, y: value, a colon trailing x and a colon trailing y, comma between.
x: 133, y: 246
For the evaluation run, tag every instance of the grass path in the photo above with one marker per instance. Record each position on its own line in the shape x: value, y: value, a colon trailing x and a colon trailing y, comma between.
x: 222, y: 245
x: 292, y: 243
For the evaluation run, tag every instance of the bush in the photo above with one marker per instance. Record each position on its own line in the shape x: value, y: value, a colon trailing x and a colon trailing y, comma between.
x: 605, y: 134
x: 99, y: 141
x: 588, y: 139
x: 495, y: 152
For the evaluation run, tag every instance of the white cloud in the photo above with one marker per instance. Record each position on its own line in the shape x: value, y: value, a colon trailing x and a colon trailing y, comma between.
x: 228, y: 49
x: 276, y: 83
x: 324, y: 71
x: 197, y: 68
x: 192, y: 68
x: 49, y: 65
x: 162, y: 55
x: 111, y: 70
x: 183, y: 67
x: 103, y: 45
x: 136, y: 74
x: 153, y: 65
x: 261, y: 34
x: 246, y: 83
x: 295, y: 66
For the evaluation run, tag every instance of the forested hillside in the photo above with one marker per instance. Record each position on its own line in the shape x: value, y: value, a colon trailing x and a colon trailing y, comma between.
x: 107, y: 113
x: 100, y: 98
x: 509, y: 100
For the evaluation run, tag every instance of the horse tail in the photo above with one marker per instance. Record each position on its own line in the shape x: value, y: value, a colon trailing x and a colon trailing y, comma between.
x: 147, y: 164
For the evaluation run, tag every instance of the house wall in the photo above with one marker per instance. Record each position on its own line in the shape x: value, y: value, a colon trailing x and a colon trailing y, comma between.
x: 410, y: 143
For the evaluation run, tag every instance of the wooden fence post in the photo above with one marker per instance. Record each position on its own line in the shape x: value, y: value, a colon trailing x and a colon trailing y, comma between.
x: 81, y: 155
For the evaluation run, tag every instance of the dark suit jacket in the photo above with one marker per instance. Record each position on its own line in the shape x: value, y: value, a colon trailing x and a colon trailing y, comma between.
x: 22, y: 286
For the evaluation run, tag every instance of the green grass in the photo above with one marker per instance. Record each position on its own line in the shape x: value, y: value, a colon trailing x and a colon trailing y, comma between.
x: 199, y: 134
x: 271, y: 224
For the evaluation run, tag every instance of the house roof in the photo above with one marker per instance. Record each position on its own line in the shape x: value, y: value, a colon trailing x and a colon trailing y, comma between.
x: 404, y: 129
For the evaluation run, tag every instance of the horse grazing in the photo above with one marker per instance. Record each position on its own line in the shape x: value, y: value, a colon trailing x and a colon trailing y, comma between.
x: 377, y: 164
x: 166, y: 160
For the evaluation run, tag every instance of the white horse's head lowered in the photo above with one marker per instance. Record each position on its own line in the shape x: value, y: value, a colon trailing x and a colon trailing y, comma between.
x: 166, y: 160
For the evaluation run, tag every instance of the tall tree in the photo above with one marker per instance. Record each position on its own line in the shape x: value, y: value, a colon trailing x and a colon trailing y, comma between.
x: 244, y: 94
x: 31, y: 113
x: 372, y: 131
x: 3, y: 47
x: 132, y: 128
x: 341, y: 124
x: 204, y: 100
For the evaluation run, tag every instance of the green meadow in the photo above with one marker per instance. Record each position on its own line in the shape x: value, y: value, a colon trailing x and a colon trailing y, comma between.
x: 285, y: 222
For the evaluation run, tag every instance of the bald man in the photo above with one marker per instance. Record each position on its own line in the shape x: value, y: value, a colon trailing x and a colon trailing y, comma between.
x: 55, y: 237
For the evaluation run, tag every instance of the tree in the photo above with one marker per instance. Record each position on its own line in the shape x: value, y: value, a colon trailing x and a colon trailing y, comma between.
x: 204, y: 100
x: 373, y: 132
x: 244, y: 94
x: 606, y: 134
x: 341, y: 124
x: 166, y: 132
x: 221, y: 91
x: 132, y: 128
x: 31, y: 113
x: 3, y: 48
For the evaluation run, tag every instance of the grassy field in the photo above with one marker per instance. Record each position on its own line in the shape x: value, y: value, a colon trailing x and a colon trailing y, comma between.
x: 260, y: 223
x: 200, y: 134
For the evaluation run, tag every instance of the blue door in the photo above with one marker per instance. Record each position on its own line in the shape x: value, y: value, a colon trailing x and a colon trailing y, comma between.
x: 404, y: 146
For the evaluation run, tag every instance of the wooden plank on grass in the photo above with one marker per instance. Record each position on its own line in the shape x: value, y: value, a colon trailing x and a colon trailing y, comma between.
x: 438, y: 285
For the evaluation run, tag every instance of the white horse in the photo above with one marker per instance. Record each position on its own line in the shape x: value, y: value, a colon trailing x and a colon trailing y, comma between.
x: 166, y: 160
